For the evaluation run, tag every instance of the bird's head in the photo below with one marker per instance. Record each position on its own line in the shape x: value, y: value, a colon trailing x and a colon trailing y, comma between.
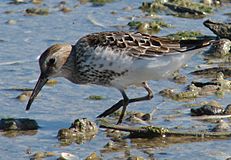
x: 51, y: 63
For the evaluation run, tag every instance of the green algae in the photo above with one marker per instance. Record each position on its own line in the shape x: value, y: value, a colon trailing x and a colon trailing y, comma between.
x: 148, y: 27
x: 185, y: 35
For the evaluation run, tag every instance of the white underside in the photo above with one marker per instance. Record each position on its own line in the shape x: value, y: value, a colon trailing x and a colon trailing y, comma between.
x: 140, y: 70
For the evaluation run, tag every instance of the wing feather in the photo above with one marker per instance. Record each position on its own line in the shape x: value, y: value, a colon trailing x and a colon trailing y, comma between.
x: 142, y: 45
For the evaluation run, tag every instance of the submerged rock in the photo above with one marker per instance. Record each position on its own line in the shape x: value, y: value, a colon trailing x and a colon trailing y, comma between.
x: 95, y: 97
x: 148, y: 27
x: 80, y: 131
x: 11, y: 22
x: 185, y: 35
x: 37, y: 11
x: 222, y: 30
x: 222, y: 126
x: 41, y: 155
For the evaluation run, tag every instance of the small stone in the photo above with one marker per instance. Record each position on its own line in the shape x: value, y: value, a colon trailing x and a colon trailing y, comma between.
x: 180, y: 79
x: 37, y: 11
x: 65, y: 9
x: 135, y: 158
x: 221, y: 127
x: 40, y: 155
x: 228, y: 110
x: 37, y: 1
x: 24, y: 96
x: 93, y: 156
x: 11, y: 22
x: 67, y: 156
x: 95, y: 97
x: 220, y: 48
x: 51, y: 82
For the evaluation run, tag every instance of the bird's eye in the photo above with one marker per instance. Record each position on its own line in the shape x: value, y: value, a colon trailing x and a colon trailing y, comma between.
x: 51, y: 62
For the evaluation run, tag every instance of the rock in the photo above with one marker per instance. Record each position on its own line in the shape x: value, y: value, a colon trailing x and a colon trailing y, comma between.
x: 24, y: 96
x: 80, y: 131
x: 180, y: 79
x: 65, y: 9
x: 135, y: 158
x: 228, y: 110
x: 37, y: 11
x: 222, y: 126
x: 18, y: 124
x: 212, y: 108
x: 41, y: 155
x: 11, y: 22
x: 51, y: 82
x: 93, y: 156
x: 67, y: 156
x: 37, y: 1
x: 222, y: 30
x: 212, y: 72
x: 220, y: 48
x: 96, y: 97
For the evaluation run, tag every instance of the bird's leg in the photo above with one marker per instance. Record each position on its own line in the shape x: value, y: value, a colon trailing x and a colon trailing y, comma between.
x: 125, y: 104
x: 147, y: 97
x: 119, y: 104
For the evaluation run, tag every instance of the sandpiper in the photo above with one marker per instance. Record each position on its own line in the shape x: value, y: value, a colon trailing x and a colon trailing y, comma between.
x: 116, y: 59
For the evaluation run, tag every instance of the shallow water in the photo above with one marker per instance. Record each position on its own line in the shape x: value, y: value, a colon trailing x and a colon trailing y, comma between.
x: 57, y: 107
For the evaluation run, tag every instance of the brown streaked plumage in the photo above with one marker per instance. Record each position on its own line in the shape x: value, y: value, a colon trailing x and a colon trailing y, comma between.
x: 116, y: 59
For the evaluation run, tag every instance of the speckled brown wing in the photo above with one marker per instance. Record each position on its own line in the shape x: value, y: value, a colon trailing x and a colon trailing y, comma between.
x: 142, y: 45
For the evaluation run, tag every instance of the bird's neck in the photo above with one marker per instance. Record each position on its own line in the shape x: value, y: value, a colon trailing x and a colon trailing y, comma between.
x: 68, y: 69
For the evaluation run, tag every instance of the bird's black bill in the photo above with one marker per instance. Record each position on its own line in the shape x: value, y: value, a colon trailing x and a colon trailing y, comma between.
x: 41, y: 82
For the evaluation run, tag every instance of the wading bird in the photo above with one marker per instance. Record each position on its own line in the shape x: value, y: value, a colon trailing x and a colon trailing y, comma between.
x: 116, y: 59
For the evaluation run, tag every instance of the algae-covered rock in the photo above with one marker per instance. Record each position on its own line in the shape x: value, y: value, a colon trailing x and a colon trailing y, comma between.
x: 183, y: 35
x: 148, y: 27
x: 179, y: 8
